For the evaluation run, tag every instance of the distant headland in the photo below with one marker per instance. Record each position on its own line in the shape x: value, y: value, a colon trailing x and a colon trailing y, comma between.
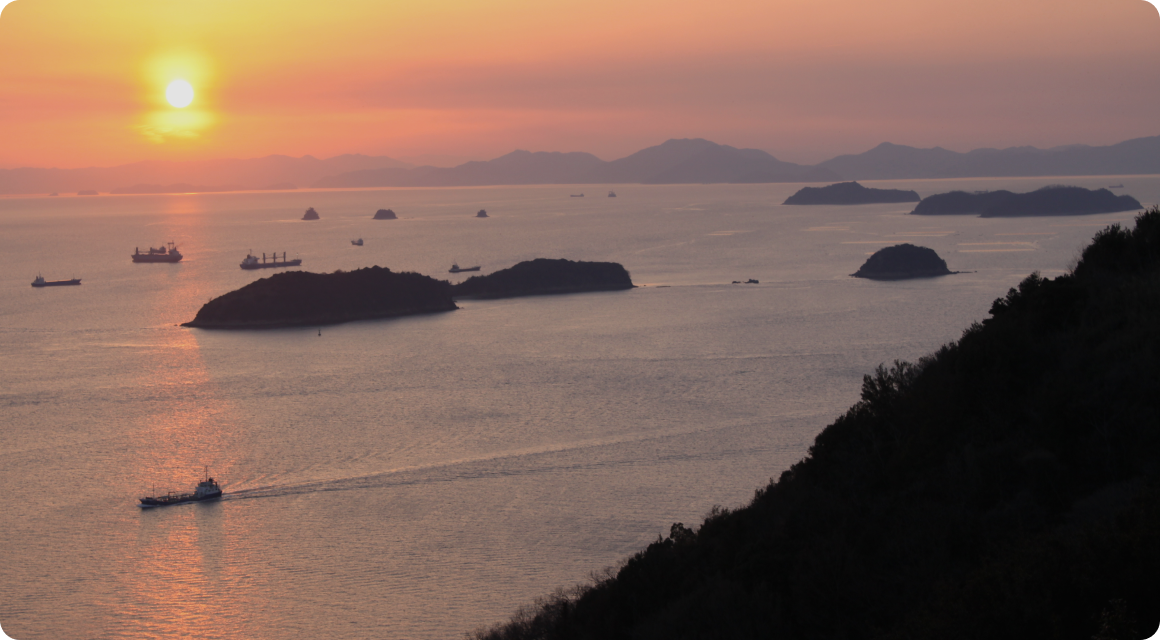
x: 902, y: 262
x: 850, y: 193
x: 1048, y: 201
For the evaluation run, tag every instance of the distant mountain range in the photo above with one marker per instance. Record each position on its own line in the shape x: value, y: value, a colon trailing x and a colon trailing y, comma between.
x: 687, y: 161
x: 674, y: 162
x: 893, y: 162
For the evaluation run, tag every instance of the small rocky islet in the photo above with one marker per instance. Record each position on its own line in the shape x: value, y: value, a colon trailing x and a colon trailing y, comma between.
x: 301, y: 298
x: 385, y: 214
x: 902, y: 262
x: 850, y: 193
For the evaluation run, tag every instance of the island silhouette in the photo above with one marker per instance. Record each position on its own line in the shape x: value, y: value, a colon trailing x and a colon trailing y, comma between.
x: 1052, y: 200
x: 902, y: 262
x: 301, y: 298
x: 544, y: 276
x: 850, y: 193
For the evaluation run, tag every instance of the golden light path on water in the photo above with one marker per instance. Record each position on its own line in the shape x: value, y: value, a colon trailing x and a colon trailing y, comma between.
x: 183, y: 555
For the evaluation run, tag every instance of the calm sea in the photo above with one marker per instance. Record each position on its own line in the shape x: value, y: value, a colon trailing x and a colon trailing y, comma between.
x: 421, y: 477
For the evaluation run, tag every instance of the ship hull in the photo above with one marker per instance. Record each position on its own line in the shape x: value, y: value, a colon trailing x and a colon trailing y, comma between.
x: 58, y: 283
x: 272, y: 265
x: 168, y: 501
x: 141, y: 257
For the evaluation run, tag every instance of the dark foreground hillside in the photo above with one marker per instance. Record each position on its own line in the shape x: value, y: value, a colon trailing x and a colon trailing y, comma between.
x: 1006, y: 486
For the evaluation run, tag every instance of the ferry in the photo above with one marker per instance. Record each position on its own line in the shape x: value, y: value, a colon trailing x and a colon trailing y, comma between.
x: 252, y: 262
x: 41, y: 282
x: 458, y: 269
x: 207, y: 489
x: 161, y: 254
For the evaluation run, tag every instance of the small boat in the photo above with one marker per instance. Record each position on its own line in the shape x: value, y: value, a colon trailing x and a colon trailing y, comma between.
x: 457, y: 269
x: 357, y: 243
x: 207, y: 489
x: 41, y: 282
x: 611, y: 194
x: 577, y: 195
x: 161, y: 254
x: 251, y: 262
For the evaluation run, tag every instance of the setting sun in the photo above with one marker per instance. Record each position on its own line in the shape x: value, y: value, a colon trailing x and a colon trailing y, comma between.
x: 179, y: 93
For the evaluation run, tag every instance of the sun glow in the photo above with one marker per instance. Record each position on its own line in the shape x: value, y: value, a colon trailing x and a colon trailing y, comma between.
x: 179, y: 93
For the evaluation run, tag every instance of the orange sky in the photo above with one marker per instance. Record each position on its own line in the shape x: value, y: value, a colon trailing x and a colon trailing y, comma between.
x: 82, y: 81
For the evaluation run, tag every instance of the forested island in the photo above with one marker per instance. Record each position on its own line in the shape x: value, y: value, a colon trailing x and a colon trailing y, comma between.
x: 297, y: 298
x: 1005, y: 486
x: 545, y: 276
x: 850, y: 193
x: 1049, y: 201
x: 301, y: 298
x: 903, y: 261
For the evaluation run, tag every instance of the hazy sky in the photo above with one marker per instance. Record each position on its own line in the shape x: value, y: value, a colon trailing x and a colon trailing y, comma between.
x: 82, y: 82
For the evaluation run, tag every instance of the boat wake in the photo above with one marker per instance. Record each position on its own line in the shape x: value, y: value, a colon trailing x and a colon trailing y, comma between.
x: 601, y: 454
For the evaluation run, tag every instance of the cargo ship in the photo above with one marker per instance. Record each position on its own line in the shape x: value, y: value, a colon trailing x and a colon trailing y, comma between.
x: 252, y: 262
x: 161, y: 254
x: 207, y: 489
x: 41, y: 282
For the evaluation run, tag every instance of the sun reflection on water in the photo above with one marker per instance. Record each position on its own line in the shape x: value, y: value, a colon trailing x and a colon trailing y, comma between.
x: 182, y: 552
